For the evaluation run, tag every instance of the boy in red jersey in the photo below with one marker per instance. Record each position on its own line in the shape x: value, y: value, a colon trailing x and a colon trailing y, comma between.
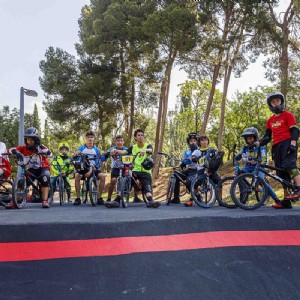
x: 38, y: 165
x: 282, y: 127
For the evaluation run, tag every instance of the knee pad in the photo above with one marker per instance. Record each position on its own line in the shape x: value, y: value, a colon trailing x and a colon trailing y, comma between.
x: 294, y: 172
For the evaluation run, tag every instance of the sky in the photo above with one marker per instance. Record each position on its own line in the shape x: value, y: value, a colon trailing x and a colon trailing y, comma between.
x: 29, y: 27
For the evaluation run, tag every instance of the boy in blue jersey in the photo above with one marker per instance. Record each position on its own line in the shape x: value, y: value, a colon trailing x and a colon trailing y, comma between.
x: 191, y: 140
x: 249, y: 154
x: 89, y: 149
x: 116, y: 163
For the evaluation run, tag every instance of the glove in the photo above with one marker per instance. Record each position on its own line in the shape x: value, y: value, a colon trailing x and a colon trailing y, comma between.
x: 194, y: 159
x: 193, y: 147
x: 14, y: 151
x: 19, y: 156
x: 264, y: 141
x: 291, y: 149
x: 182, y: 165
x: 48, y: 152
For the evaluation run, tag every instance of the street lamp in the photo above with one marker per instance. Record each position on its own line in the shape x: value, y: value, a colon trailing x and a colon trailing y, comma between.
x: 27, y: 92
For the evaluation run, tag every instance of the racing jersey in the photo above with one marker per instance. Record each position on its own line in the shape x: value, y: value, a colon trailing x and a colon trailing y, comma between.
x: 249, y: 154
x: 91, y: 151
x: 4, y: 161
x: 37, y: 161
x: 116, y: 160
x: 139, y: 159
x: 61, y: 165
x: 280, y: 126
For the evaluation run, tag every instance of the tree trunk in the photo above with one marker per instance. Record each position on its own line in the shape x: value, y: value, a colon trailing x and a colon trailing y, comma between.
x: 162, y: 112
x: 132, y: 102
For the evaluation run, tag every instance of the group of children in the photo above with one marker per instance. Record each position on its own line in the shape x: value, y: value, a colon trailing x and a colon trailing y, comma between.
x: 281, y: 127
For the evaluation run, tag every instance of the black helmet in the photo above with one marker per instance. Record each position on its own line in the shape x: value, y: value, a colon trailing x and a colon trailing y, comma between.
x: 83, y: 165
x: 32, y: 132
x: 202, y: 137
x: 251, y: 131
x: 148, y: 163
x: 192, y: 135
x: 277, y: 109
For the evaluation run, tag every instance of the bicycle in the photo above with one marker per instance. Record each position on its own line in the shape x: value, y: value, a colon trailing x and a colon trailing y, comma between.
x: 60, y: 184
x: 203, y: 189
x: 26, y: 179
x: 123, y: 186
x: 224, y: 185
x: 89, y: 184
x: 249, y: 191
x: 172, y: 178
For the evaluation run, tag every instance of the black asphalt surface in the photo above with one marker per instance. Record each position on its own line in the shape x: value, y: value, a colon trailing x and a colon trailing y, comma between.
x: 218, y: 273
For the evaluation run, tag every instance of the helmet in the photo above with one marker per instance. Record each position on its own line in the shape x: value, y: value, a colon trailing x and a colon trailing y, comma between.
x: 148, y: 163
x: 32, y: 132
x: 279, y: 108
x: 251, y: 131
x: 192, y: 135
x: 64, y: 145
x: 201, y: 137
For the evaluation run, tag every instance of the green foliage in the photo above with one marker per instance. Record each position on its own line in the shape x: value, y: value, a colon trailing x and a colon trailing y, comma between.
x: 9, y: 124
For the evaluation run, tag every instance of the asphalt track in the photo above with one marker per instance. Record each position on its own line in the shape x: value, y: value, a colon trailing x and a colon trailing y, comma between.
x: 140, y: 253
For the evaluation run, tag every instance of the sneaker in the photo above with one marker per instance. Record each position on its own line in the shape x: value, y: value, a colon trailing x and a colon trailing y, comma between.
x: 137, y: 200
x: 112, y: 204
x: 175, y: 200
x: 153, y: 204
x: 70, y: 201
x: 294, y: 196
x: 282, y: 204
x: 10, y: 205
x: 45, y: 204
x: 77, y: 201
x: 189, y: 203
x: 108, y: 200
x: 100, y: 201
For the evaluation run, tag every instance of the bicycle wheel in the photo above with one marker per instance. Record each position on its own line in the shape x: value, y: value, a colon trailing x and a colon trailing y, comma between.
x: 170, y: 189
x: 84, y: 192
x: 61, y: 189
x: 223, y: 192
x: 51, y: 193
x: 93, y: 190
x: 249, y: 192
x: 5, y: 192
x: 19, y: 192
x: 124, y: 190
x: 204, y: 191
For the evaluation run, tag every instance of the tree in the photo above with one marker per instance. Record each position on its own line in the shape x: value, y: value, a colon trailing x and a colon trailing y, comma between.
x: 36, y: 122
x: 172, y: 29
x: 9, y: 123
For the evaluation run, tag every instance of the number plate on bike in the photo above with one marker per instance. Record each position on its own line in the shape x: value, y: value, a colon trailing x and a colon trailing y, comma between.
x: 127, y: 159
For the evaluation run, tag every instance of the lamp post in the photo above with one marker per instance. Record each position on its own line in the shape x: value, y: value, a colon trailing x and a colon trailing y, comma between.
x: 27, y: 92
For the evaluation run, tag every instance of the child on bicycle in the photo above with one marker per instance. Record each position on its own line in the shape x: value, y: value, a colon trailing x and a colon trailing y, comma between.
x: 248, y: 155
x: 90, y: 149
x: 61, y: 165
x: 142, y: 168
x: 192, y: 140
x: 197, y: 159
x: 282, y: 128
x: 5, y: 169
x: 116, y: 162
x: 38, y: 165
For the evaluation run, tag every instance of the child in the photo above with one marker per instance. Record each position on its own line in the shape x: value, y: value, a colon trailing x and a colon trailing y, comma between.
x: 5, y: 169
x: 61, y: 164
x: 90, y: 149
x: 249, y: 154
x: 282, y: 128
x: 38, y: 165
x: 191, y: 140
x: 198, y: 157
x: 116, y: 163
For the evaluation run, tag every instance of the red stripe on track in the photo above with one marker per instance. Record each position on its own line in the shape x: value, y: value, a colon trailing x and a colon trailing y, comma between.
x: 24, y: 251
